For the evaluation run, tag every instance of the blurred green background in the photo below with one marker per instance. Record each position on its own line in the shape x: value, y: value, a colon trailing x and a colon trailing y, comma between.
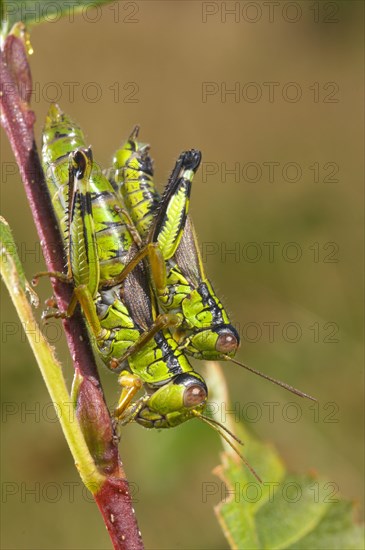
x: 157, y: 56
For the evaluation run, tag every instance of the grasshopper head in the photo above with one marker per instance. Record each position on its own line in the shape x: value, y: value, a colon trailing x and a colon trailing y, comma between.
x: 175, y: 402
x: 211, y: 335
x: 214, y: 343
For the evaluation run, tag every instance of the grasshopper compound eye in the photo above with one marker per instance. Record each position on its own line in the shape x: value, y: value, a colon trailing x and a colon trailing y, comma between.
x: 195, y: 395
x: 195, y: 391
x: 228, y: 341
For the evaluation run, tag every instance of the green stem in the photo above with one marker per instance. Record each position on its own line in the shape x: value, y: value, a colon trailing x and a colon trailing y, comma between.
x: 52, y: 374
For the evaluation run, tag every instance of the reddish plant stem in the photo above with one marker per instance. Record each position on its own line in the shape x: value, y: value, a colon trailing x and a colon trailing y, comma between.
x: 113, y: 499
x: 119, y: 524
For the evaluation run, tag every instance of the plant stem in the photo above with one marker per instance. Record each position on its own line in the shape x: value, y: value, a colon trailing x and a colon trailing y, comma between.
x: 52, y: 374
x: 18, y: 122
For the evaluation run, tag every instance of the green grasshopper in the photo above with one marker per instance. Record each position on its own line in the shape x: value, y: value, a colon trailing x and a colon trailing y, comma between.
x: 205, y: 331
x: 120, y: 315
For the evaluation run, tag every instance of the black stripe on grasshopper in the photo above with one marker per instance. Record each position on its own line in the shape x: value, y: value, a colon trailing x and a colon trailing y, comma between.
x: 188, y: 161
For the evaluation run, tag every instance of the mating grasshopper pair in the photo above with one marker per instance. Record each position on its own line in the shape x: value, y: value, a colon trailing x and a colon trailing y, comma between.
x: 112, y: 284
x: 120, y: 292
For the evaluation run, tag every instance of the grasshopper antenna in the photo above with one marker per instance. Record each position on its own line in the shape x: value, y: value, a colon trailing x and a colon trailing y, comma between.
x: 212, y: 421
x: 273, y: 380
x: 218, y: 427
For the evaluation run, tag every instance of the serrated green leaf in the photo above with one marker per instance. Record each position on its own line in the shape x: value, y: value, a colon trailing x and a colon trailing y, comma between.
x: 33, y: 12
x: 296, y: 508
x: 286, y: 511
x: 336, y: 530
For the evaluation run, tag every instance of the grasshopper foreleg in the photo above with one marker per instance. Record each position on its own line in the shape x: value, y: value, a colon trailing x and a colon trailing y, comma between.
x: 131, y: 384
